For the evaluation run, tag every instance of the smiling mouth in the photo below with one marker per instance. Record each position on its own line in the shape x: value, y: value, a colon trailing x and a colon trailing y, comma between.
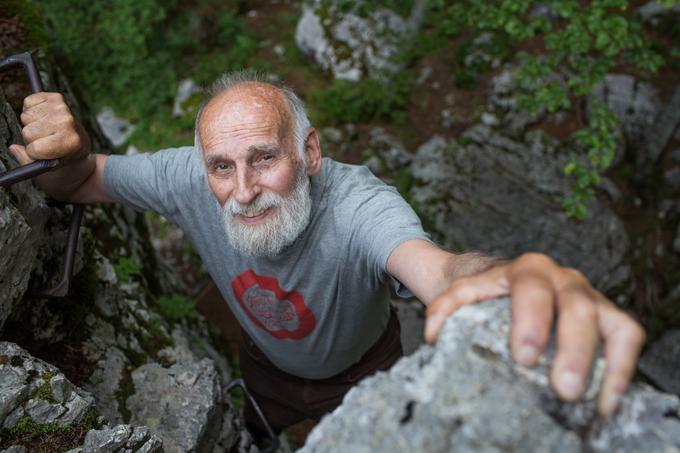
x: 255, y: 217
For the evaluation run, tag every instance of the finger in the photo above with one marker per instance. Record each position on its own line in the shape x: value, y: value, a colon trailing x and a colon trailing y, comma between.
x: 577, y: 338
x: 623, y: 339
x: 463, y: 291
x: 533, y: 298
x: 37, y: 130
x: 37, y: 98
x: 54, y: 146
x: 19, y: 153
x: 43, y: 110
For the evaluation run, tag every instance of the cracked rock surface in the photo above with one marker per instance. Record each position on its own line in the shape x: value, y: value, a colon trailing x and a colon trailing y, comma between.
x: 467, y: 383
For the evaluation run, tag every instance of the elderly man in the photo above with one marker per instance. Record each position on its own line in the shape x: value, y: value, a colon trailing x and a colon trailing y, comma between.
x: 303, y: 248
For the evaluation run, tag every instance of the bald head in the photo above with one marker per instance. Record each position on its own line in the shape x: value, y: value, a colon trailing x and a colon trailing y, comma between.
x: 244, y: 97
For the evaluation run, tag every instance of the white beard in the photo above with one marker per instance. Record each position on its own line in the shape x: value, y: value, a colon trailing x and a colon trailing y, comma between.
x: 279, y: 231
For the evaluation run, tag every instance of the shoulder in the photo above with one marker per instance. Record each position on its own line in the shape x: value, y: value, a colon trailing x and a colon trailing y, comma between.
x: 347, y: 181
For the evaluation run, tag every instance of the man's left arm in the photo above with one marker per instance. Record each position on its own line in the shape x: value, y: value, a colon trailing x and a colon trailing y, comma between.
x: 540, y: 291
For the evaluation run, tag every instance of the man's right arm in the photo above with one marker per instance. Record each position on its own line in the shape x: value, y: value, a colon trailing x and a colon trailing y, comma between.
x: 51, y: 132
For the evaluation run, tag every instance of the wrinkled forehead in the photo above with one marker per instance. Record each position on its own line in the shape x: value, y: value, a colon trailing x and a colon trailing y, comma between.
x: 247, y: 105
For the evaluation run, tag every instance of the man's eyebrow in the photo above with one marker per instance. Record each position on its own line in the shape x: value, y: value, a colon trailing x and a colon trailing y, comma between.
x: 214, y: 158
x: 264, y: 148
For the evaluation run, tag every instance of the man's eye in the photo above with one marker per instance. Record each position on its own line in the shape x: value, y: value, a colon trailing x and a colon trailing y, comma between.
x: 221, y: 167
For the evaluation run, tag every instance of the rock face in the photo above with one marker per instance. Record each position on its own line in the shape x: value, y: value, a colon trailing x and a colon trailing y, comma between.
x: 661, y: 362
x: 501, y: 196
x: 22, y: 220
x: 121, y: 438
x: 351, y: 45
x: 636, y: 105
x: 467, y: 383
x: 36, y: 392
x: 181, y: 403
x: 108, y: 335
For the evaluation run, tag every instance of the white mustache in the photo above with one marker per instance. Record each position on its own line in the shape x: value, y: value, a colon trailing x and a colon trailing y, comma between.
x: 260, y: 204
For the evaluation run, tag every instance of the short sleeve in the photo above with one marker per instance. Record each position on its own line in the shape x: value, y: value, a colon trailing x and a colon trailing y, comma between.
x: 149, y: 181
x: 382, y: 220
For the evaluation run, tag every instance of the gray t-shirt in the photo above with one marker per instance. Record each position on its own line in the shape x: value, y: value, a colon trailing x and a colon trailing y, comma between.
x: 317, y: 307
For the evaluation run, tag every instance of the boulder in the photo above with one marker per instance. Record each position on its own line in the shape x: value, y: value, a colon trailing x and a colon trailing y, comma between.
x: 181, y: 403
x: 36, y: 395
x: 661, y: 362
x: 350, y: 44
x: 501, y: 196
x: 636, y: 105
x: 121, y: 438
x: 467, y: 394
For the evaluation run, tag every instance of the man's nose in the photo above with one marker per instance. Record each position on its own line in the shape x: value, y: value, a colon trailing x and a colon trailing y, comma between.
x: 246, y: 186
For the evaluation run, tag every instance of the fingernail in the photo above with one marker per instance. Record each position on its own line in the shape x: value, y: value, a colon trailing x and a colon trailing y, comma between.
x: 527, y: 355
x: 570, y: 385
x: 609, y: 403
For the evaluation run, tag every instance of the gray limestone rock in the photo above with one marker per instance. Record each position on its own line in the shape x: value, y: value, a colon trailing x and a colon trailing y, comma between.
x: 23, y: 387
x: 351, y: 45
x: 182, y: 403
x: 467, y: 394
x: 636, y: 105
x: 116, y: 129
x: 18, y: 250
x: 502, y: 196
x: 653, y: 10
x: 42, y: 412
x: 13, y: 382
x: 105, y: 382
x: 62, y: 389
x: 15, y: 449
x: 661, y: 362
x: 185, y: 90
x: 121, y: 438
x: 661, y: 132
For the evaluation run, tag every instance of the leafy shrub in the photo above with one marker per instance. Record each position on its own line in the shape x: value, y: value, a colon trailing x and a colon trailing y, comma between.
x: 126, y: 268
x: 129, y: 54
x: 366, y: 100
x: 177, y: 307
x: 576, y: 44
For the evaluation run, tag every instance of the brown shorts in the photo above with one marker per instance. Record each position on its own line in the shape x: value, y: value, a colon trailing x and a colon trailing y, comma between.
x: 286, y: 399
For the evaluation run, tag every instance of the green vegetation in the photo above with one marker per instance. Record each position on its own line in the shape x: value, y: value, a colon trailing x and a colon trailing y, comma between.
x: 126, y: 268
x: 576, y: 46
x: 49, y: 436
x: 177, y: 307
x: 363, y: 101
x: 44, y: 392
x: 131, y: 55
x: 31, y: 27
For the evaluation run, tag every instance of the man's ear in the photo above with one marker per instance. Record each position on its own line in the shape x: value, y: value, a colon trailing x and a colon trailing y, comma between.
x: 312, y: 152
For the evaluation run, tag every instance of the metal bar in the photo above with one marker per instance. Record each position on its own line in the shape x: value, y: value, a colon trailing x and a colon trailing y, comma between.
x: 61, y: 288
x: 27, y: 171
x: 275, y: 439
x: 41, y: 166
x: 26, y: 60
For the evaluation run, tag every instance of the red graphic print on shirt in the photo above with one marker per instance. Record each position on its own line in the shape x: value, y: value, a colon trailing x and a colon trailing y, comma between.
x: 281, y: 313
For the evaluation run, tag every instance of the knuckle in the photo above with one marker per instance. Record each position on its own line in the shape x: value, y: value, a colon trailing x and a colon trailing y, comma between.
x: 73, y: 141
x: 635, y: 331
x: 575, y: 275
x: 583, y: 308
x: 534, y: 259
x: 67, y: 121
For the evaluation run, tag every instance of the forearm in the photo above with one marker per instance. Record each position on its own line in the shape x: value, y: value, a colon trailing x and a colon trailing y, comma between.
x: 464, y: 264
